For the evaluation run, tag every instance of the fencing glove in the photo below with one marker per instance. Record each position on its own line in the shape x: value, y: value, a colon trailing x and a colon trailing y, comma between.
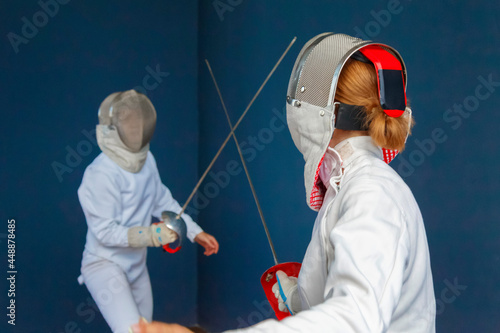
x: 289, y: 290
x: 155, y: 235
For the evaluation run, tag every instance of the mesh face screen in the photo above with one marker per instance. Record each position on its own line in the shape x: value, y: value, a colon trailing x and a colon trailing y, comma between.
x: 317, y: 74
x: 300, y: 61
x: 133, y: 115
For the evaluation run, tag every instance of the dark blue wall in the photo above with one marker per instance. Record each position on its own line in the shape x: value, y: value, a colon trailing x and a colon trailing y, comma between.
x: 50, y: 93
x: 447, y: 46
x: 51, y: 89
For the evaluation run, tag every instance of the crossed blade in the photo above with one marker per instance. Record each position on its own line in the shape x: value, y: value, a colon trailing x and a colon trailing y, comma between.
x: 233, y: 128
x: 243, y: 162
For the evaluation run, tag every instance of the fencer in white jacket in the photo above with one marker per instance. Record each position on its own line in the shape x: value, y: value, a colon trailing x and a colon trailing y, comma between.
x: 120, y: 192
x: 367, y: 266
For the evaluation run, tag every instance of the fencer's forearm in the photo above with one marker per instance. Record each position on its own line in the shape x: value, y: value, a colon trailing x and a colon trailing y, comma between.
x: 322, y: 318
x: 193, y: 229
x: 100, y: 204
x: 109, y: 233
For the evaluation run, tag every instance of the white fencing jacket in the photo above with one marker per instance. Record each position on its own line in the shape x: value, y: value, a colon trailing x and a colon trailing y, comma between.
x: 113, y: 200
x: 367, y: 267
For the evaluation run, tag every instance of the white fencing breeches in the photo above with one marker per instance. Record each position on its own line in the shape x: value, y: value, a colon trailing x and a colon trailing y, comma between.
x: 121, y: 303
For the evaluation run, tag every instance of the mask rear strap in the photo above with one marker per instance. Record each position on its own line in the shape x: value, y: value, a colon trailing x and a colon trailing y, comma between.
x: 390, y: 79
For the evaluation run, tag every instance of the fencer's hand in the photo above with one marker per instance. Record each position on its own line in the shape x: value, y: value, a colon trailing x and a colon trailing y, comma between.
x: 208, y: 242
x: 162, y: 235
x: 289, y: 286
x: 157, y: 327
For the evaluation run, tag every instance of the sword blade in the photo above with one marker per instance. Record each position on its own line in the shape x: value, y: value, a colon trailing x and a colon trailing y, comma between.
x: 234, y: 128
x: 243, y: 162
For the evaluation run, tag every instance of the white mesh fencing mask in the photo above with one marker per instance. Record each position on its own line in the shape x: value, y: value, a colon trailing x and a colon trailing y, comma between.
x: 127, y: 122
x: 311, y: 101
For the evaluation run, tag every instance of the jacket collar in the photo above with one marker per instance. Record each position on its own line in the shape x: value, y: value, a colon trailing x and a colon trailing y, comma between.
x: 351, y: 148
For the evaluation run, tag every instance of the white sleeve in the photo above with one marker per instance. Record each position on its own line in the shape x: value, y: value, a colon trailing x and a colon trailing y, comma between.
x: 365, y: 278
x: 100, y: 199
x: 165, y: 201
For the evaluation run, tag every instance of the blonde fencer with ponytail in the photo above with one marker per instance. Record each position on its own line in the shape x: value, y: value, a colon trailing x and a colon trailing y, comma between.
x: 358, y: 86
